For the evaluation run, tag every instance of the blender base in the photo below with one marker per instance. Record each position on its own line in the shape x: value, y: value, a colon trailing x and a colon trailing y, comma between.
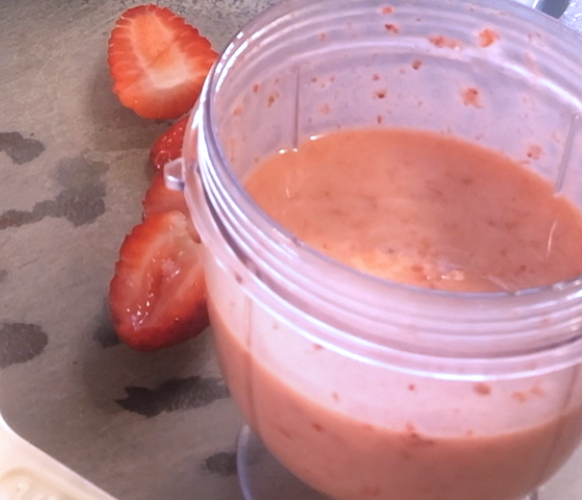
x: 262, y: 477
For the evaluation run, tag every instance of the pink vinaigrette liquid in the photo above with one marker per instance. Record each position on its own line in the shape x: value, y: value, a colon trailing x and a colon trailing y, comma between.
x: 423, y: 208
x: 433, y: 211
x: 389, y: 198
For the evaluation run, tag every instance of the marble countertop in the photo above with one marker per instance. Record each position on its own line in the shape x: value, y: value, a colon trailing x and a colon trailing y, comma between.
x: 73, y: 170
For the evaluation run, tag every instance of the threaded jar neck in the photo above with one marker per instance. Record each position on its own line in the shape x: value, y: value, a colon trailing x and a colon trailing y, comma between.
x: 446, y: 334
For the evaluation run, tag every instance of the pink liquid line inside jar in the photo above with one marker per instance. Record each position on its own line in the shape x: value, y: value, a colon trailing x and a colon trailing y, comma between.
x: 428, y: 210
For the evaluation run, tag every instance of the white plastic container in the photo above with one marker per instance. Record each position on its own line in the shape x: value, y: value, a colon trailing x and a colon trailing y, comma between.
x: 27, y: 473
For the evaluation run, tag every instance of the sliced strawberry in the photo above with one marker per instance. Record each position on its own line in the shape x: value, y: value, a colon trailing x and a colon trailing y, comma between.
x: 168, y: 146
x: 158, y: 62
x: 159, y: 199
x: 157, y: 296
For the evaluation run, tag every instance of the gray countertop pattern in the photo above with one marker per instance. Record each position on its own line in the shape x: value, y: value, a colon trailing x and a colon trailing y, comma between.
x: 73, y: 170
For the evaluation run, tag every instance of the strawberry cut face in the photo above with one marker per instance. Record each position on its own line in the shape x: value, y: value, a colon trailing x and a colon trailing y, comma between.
x: 159, y: 198
x: 158, y: 62
x: 157, y: 296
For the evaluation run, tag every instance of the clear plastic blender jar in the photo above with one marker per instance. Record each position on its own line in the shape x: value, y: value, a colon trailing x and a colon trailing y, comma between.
x: 320, y: 358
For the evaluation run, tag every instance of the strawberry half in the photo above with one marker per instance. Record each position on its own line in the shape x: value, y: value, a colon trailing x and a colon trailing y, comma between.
x: 157, y: 296
x: 158, y: 62
x: 159, y: 199
x: 168, y: 146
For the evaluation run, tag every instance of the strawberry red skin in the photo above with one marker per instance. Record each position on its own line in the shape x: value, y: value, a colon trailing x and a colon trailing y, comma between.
x: 158, y: 62
x: 159, y: 199
x: 157, y: 296
x: 168, y: 146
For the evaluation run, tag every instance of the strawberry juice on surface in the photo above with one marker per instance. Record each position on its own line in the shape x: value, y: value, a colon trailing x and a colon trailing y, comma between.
x: 428, y: 210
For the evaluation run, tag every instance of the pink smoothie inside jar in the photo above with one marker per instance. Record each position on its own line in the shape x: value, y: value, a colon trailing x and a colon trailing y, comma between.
x: 438, y: 360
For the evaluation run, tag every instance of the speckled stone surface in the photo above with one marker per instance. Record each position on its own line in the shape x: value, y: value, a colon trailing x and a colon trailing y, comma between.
x: 73, y: 170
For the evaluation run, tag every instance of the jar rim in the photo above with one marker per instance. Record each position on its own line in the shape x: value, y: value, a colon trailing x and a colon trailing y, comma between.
x: 285, y: 277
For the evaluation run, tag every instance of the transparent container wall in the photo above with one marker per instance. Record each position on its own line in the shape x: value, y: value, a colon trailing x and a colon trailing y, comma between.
x: 530, y: 3
x: 352, y: 428
x: 494, y: 82
x: 554, y: 8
